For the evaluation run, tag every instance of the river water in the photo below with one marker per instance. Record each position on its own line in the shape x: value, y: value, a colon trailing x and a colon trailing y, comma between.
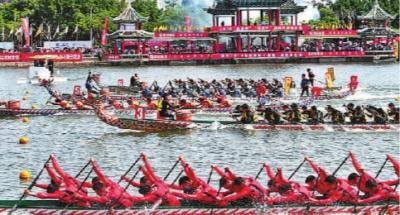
x: 74, y: 139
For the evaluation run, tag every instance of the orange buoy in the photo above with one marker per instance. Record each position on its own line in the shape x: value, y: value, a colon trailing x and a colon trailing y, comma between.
x: 23, y: 140
x: 25, y: 120
x: 63, y: 103
x: 25, y: 175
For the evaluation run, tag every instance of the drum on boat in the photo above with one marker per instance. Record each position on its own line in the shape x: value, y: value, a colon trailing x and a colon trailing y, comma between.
x: 14, y: 105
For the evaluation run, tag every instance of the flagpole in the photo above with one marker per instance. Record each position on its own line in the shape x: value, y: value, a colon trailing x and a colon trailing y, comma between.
x: 91, y: 25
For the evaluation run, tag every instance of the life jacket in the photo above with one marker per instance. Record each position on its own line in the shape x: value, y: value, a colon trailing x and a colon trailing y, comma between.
x: 159, y: 104
x: 206, y: 103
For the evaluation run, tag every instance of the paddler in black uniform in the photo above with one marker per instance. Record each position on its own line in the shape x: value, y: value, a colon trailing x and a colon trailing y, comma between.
x: 315, y: 116
x: 294, y: 114
x: 305, y: 112
x: 358, y: 116
x: 393, y: 113
x: 247, y: 116
x: 335, y: 115
x: 164, y: 107
x: 378, y: 114
x: 349, y: 110
x: 272, y: 116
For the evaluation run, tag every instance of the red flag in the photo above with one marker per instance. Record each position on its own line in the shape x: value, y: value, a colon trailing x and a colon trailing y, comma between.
x: 104, y: 32
x: 25, y: 28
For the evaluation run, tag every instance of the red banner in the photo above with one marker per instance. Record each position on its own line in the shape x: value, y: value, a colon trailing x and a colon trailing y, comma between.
x: 330, y: 33
x: 188, y: 35
x: 25, y: 29
x: 111, y: 57
x: 104, y: 32
x: 26, y: 57
x: 258, y: 28
x: 259, y: 55
x: 9, y: 57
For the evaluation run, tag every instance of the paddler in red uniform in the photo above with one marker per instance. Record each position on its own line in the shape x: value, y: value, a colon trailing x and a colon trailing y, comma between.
x: 319, y: 185
x: 205, y: 103
x: 150, y: 104
x: 185, y: 105
x: 378, y: 192
x: 109, y: 193
x: 395, y: 163
x: 64, y: 196
x: 223, y: 102
x: 194, y: 188
x: 338, y: 191
x: 361, y: 180
x: 290, y: 195
x: 160, y: 190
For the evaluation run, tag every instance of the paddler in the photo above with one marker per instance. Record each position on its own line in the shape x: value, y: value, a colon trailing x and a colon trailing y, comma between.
x: 164, y: 107
x: 378, y: 114
x: 184, y: 104
x: 289, y: 195
x: 194, y: 188
x: 349, y: 110
x: 315, y: 116
x: 338, y: 191
x: 272, y: 116
x: 358, y: 116
x: 378, y: 192
x: 223, y: 102
x: 150, y: 104
x: 108, y: 192
x: 394, y: 113
x: 293, y: 116
x: 248, y: 116
x: 335, y: 115
x: 205, y: 102
x: 360, y: 180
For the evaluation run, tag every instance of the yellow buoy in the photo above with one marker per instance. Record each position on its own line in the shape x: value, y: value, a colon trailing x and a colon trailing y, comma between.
x: 34, y: 106
x: 25, y: 120
x: 23, y: 140
x: 24, y: 175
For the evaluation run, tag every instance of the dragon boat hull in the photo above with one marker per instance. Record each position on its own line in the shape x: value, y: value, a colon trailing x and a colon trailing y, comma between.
x: 54, y: 207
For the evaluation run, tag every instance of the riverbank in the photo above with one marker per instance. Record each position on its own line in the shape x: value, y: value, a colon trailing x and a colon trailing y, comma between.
x: 146, y: 62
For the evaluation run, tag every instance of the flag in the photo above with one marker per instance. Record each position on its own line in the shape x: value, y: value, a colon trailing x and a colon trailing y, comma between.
x: 104, y: 32
x: 39, y: 30
x: 57, y: 31
x: 26, y: 31
x: 75, y: 30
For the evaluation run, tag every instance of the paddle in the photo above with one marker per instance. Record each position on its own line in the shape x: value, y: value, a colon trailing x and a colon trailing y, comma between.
x: 79, y: 188
x: 83, y: 169
x: 126, y: 187
x: 130, y: 168
x: 340, y: 166
x: 209, y: 176
x: 259, y: 172
x: 31, y: 185
x: 172, y: 169
x: 297, y: 169
x: 177, y: 177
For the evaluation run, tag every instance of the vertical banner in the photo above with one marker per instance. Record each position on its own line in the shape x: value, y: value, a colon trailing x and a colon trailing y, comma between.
x: 104, y: 32
x: 287, y: 85
x: 188, y: 24
x: 25, y: 29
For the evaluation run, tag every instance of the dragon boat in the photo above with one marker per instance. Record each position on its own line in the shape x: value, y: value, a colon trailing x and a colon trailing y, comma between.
x: 186, y: 122
x: 55, y: 207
